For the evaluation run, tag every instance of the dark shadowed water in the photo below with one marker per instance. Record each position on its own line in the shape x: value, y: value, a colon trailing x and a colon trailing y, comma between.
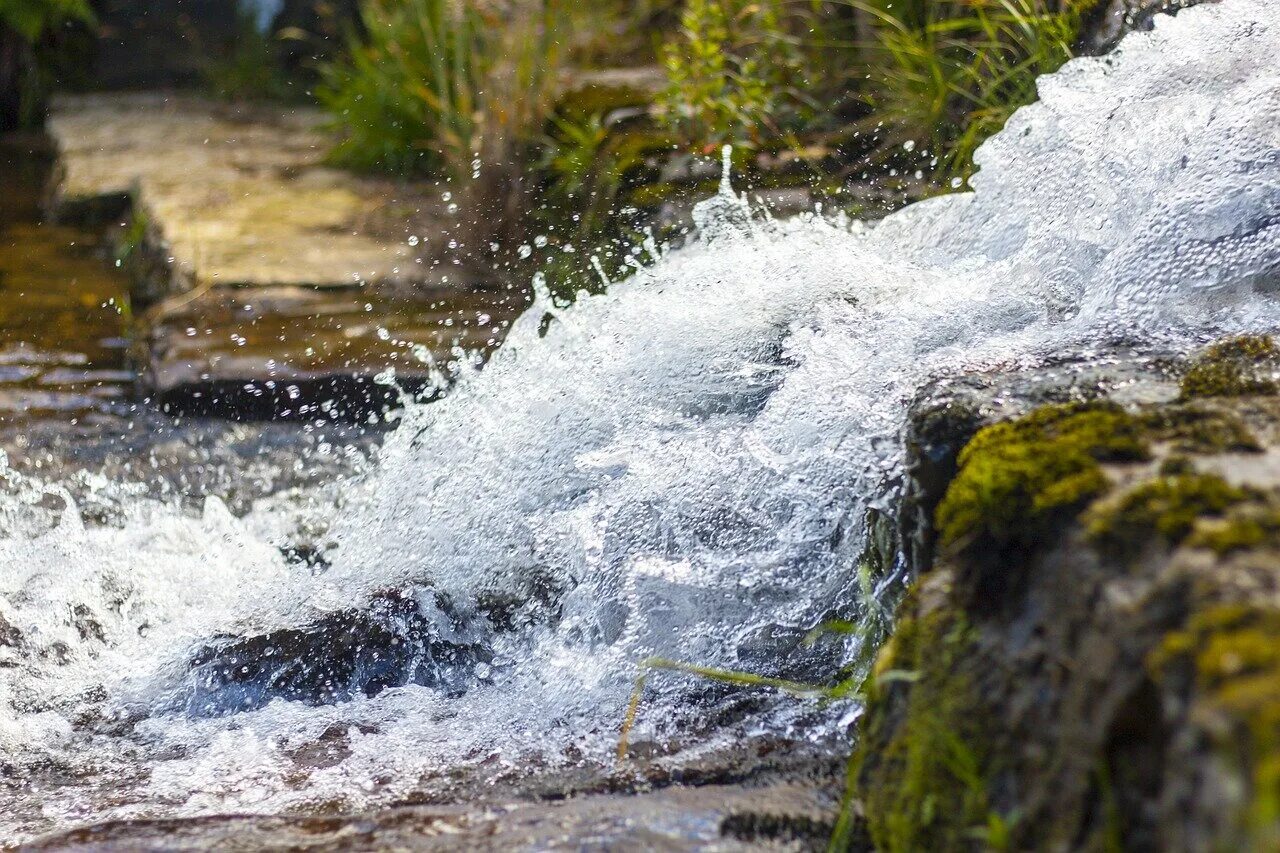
x: 63, y: 306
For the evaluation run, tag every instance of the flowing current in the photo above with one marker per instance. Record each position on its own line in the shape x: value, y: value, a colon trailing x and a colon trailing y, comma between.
x: 679, y: 467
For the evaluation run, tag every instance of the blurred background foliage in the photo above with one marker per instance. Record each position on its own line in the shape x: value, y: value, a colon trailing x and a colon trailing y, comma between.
x: 585, y: 125
x: 818, y: 93
x: 35, y: 38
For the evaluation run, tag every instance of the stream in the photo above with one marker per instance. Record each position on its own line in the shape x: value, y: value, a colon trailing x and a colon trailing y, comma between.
x: 278, y: 618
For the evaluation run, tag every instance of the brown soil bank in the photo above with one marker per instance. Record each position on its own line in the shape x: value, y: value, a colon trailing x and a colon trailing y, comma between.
x: 1091, y: 659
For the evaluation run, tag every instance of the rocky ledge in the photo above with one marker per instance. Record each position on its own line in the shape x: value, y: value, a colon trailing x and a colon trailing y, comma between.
x: 1089, y: 656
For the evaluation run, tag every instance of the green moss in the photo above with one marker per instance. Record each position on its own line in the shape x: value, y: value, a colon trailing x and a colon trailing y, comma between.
x: 1016, y: 477
x: 1166, y: 507
x: 1232, y: 368
x: 1193, y: 428
x: 1233, y: 652
x: 1244, y: 528
x: 923, y: 767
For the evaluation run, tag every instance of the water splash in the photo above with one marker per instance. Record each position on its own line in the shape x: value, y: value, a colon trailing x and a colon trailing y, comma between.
x: 678, y: 467
x: 725, y: 214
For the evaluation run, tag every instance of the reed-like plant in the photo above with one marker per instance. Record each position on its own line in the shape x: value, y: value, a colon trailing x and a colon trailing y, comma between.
x: 458, y: 90
x: 943, y: 75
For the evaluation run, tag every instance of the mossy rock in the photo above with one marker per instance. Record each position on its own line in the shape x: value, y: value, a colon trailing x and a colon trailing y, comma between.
x: 1066, y: 675
x: 923, y: 760
x: 1233, y: 368
x: 1016, y: 478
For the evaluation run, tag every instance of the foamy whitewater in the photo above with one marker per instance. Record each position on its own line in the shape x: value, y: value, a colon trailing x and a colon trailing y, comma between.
x: 680, y: 467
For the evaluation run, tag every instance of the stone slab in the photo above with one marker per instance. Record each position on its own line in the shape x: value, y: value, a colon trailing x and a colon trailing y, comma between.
x: 293, y: 352
x: 268, y: 284
x: 242, y: 196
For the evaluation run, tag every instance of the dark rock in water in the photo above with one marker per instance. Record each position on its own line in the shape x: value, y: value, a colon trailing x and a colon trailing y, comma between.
x: 395, y: 641
x: 1106, y: 23
x: 1090, y: 656
x: 10, y: 639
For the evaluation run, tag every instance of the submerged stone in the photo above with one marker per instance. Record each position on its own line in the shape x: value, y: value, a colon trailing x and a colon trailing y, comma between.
x: 396, y: 641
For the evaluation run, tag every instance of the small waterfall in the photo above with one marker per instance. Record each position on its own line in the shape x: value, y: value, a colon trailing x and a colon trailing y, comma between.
x: 681, y: 466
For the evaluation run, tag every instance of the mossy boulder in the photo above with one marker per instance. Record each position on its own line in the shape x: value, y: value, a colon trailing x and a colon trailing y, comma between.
x: 1090, y: 657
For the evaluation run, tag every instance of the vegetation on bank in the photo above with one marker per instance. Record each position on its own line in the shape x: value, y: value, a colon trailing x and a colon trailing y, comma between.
x: 583, y: 123
x: 32, y: 34
x: 588, y: 123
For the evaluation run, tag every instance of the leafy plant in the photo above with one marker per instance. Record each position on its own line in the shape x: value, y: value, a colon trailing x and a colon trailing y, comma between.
x: 455, y: 90
x: 25, y: 81
x: 586, y: 170
x: 430, y: 84
x: 31, y: 19
x: 734, y: 73
x: 943, y: 75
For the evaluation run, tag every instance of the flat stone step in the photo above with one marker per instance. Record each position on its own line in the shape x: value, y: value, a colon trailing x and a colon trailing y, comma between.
x: 291, y: 352
x: 242, y: 195
x: 277, y: 287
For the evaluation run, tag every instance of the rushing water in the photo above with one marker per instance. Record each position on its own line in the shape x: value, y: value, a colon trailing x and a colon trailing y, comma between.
x: 679, y: 467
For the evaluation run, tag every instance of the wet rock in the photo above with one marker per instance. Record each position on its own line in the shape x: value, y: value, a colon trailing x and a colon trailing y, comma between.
x: 1107, y: 22
x: 739, y: 817
x: 1087, y: 658
x: 274, y: 286
x: 307, y: 354
x: 184, y: 459
x: 226, y: 196
x: 396, y: 640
